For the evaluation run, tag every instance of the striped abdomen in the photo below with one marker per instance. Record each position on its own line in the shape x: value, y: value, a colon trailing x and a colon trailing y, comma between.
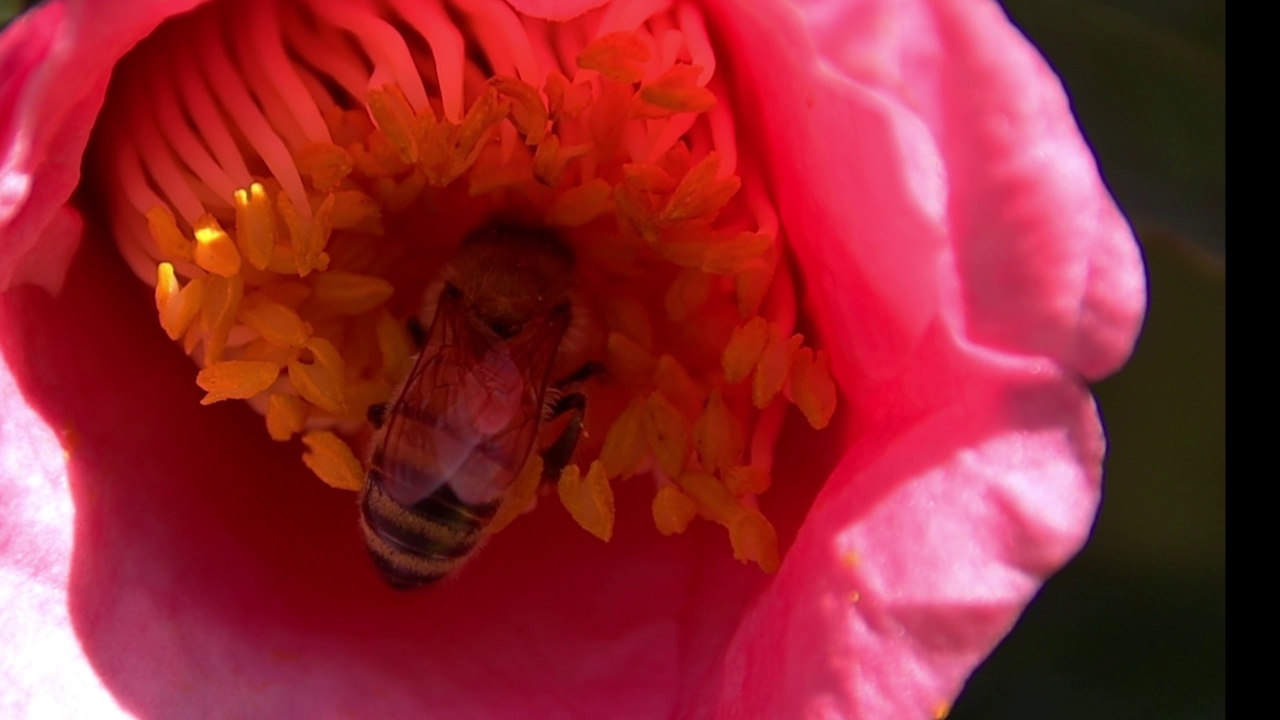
x: 418, y: 544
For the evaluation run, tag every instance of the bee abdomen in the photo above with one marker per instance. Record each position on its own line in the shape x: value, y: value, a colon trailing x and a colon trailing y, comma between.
x: 416, y: 545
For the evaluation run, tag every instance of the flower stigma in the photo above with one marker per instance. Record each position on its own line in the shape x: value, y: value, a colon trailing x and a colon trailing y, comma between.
x: 292, y: 186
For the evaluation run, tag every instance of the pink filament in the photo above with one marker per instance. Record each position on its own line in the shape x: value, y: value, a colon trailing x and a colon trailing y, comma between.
x: 382, y: 42
x: 448, y: 49
x: 275, y: 68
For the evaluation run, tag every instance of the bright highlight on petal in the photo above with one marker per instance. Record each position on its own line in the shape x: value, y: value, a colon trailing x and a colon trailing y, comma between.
x: 292, y: 233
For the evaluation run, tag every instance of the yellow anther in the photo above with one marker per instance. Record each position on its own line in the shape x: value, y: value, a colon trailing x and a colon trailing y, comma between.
x: 332, y: 460
x: 688, y: 292
x: 218, y: 313
x: 393, y: 347
x: 673, y: 510
x: 741, y: 253
x: 396, y: 196
x: 588, y: 499
x: 774, y: 367
x: 255, y: 225
x: 675, y: 91
x: 321, y: 380
x: 580, y: 205
x: 674, y: 382
x: 745, y: 347
x: 625, y: 446
x: 396, y: 120
x: 289, y: 293
x: 236, y: 380
x: 812, y: 389
x: 177, y: 306
x: 628, y: 362
x: 310, y: 245
x: 743, y: 480
x: 751, y: 286
x: 286, y: 415
x: 169, y: 240
x: 215, y: 250
x: 521, y: 495
x: 713, y: 498
x: 276, y: 323
x: 348, y: 293
x: 565, y: 100
x: 718, y: 435
x: 648, y: 177
x: 550, y: 160
x: 326, y: 164
x: 263, y: 349
x: 528, y: 113
x: 618, y: 56
x: 667, y: 433
x: 700, y: 194
x: 754, y: 540
x: 354, y: 210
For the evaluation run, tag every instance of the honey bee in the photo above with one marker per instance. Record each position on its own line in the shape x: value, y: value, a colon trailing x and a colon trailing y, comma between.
x: 467, y: 418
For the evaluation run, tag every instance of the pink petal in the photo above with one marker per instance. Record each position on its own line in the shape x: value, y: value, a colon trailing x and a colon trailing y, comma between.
x: 555, y: 9
x: 54, y: 65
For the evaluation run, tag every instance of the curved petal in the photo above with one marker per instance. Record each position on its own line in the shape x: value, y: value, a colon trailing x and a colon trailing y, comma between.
x: 56, y: 62
x: 555, y: 9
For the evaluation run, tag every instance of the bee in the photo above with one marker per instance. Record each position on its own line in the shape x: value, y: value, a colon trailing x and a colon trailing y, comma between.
x: 467, y: 418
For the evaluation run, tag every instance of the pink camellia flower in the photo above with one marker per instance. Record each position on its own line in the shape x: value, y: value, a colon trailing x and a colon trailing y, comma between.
x: 902, y: 180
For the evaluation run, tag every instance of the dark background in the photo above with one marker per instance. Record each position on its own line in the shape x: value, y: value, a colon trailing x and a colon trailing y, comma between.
x: 1136, y: 626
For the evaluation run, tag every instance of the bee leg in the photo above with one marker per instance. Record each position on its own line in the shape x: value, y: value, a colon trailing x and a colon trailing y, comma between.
x: 558, y: 454
x: 377, y: 414
x: 417, y: 333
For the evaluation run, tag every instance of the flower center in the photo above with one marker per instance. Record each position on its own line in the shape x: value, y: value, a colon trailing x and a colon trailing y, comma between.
x: 294, y: 182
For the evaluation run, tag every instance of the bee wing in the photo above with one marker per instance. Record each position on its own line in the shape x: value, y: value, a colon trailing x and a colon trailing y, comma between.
x: 468, y: 414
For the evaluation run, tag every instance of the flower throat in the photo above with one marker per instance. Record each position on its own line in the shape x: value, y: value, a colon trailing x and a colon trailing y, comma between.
x: 293, y: 185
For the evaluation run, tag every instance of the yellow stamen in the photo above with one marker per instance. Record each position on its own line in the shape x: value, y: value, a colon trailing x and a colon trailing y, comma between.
x: 393, y: 347
x: 675, y: 91
x: 580, y: 205
x: 215, y: 251
x: 255, y: 225
x: 688, y: 292
x: 276, y: 323
x: 521, y: 496
x: 744, y: 480
x: 354, y: 210
x: 326, y: 164
x: 754, y: 540
x: 320, y: 381
x: 218, y: 314
x: 745, y: 347
x: 673, y: 510
x: 625, y: 446
x: 700, y: 194
x: 774, y: 366
x: 178, y: 306
x: 236, y: 380
x: 332, y: 461
x: 618, y: 56
x: 348, y: 293
x: 812, y: 388
x: 286, y: 416
x: 667, y: 433
x: 395, y: 118
x: 528, y: 113
x: 630, y: 363
x: 168, y: 238
x: 718, y: 435
x: 588, y: 499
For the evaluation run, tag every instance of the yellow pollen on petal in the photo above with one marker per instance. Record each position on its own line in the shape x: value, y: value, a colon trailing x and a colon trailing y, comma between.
x: 332, y: 460
x: 236, y: 380
x: 673, y: 510
x: 286, y: 416
x: 215, y: 250
x: 589, y: 499
x: 168, y: 238
x: 255, y: 225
